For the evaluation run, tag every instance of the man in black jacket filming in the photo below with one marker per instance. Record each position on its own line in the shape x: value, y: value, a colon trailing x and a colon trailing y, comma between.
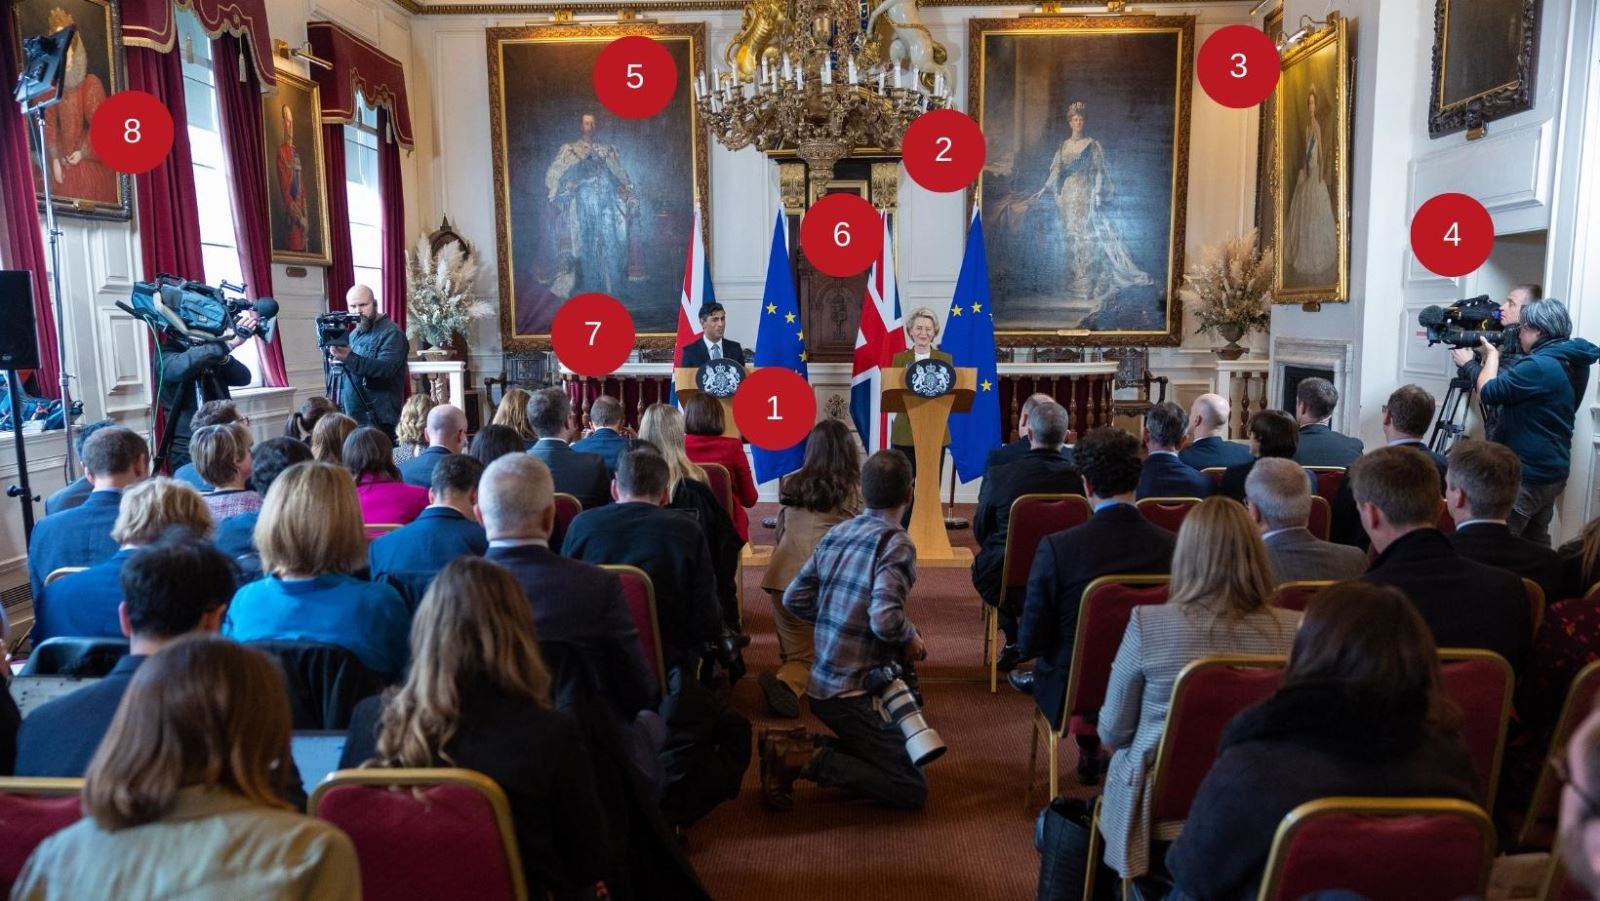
x: 374, y: 377
x: 189, y: 375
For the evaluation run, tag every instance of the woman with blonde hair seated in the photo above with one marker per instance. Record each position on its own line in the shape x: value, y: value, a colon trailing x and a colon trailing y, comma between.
x: 327, y: 438
x: 185, y: 797
x: 1218, y: 604
x: 310, y: 542
x: 410, y: 434
x: 478, y: 696
x: 513, y: 412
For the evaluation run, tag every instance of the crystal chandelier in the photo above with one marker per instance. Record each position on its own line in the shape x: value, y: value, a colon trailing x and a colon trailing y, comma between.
x: 823, y: 78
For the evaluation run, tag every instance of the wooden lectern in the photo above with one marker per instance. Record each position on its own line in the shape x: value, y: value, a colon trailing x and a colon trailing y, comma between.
x: 684, y: 380
x: 928, y: 418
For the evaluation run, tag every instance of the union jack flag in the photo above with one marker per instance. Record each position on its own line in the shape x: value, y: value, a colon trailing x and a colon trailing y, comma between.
x: 697, y: 292
x: 881, y: 335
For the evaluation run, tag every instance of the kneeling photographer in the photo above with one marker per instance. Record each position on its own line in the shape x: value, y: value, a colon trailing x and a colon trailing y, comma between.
x: 368, y: 371
x: 1538, y: 399
x: 854, y: 589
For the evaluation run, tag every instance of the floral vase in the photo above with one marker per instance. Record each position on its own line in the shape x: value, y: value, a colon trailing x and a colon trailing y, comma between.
x: 1230, y: 333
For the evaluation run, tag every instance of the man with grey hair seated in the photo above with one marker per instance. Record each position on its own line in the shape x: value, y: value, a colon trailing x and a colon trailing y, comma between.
x: 1279, y: 500
x: 606, y: 441
x: 1208, y: 435
x: 1016, y: 450
x: 584, y: 476
x: 1165, y: 474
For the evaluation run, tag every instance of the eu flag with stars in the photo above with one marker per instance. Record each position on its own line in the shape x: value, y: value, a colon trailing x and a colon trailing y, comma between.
x: 780, y: 341
x: 969, y: 339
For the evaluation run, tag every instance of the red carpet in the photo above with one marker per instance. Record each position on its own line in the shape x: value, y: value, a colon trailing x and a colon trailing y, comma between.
x: 973, y: 840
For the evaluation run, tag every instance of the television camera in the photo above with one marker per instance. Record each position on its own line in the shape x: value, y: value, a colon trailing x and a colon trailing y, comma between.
x: 198, y: 313
x: 1463, y: 323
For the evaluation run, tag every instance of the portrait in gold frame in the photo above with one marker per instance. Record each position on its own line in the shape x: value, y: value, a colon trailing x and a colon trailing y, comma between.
x: 586, y: 200
x: 297, y: 194
x: 1312, y: 164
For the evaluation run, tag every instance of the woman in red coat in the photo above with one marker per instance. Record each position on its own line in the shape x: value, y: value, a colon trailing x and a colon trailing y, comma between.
x: 705, y: 443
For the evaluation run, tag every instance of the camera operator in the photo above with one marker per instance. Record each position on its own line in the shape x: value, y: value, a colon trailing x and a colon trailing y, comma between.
x: 374, y: 365
x: 1538, y: 397
x: 854, y: 589
x: 189, y: 376
x: 1510, y: 349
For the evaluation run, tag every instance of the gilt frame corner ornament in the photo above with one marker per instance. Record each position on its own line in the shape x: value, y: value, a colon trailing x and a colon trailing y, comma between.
x: 1465, y: 101
x: 1320, y: 65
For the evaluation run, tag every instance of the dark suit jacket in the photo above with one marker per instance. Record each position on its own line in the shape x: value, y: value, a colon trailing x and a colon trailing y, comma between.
x: 583, y: 605
x: 1166, y: 475
x: 60, y: 737
x: 695, y: 354
x: 423, y: 546
x: 1233, y: 478
x: 1040, y: 471
x: 1492, y: 543
x: 71, y: 496
x: 663, y: 544
x: 80, y: 536
x: 1011, y: 453
x: 605, y: 444
x: 83, y: 605
x: 1322, y: 446
x: 1117, y: 540
x: 584, y: 476
x: 419, y: 469
x: 1466, y: 604
x: 1214, y: 451
x: 1346, y: 525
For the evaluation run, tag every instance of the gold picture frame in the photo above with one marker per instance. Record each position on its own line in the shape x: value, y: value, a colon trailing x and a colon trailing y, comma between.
x: 1102, y: 262
x: 1266, y: 141
x: 1311, y: 166
x: 297, y: 191
x: 541, y: 108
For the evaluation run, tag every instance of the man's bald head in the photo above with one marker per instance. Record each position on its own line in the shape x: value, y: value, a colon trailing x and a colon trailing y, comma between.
x: 447, y: 428
x: 516, y: 498
x: 361, y: 301
x: 1208, y: 415
x: 1024, y: 425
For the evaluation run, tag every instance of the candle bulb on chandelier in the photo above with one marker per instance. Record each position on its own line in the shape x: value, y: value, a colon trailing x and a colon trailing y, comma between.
x: 916, y: 79
x: 787, y: 71
x: 897, y: 75
x: 880, y: 81
x: 827, y: 70
x: 850, y: 68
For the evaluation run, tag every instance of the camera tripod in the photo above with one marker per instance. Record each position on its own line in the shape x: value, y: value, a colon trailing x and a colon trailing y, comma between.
x: 1452, y: 421
x: 334, y: 377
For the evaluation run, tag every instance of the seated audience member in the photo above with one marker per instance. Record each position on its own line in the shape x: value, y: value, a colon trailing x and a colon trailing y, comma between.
x: 1208, y: 435
x: 495, y: 441
x: 1406, y: 418
x: 1041, y: 471
x: 661, y: 428
x: 1272, y: 434
x: 1319, y: 444
x: 212, y: 412
x: 1219, y: 604
x: 302, y: 425
x: 327, y: 439
x: 222, y: 457
x: 704, y: 442
x: 384, y: 498
x: 310, y: 541
x: 267, y: 461
x: 447, y: 434
x: 1360, y: 713
x: 1578, y: 840
x: 512, y: 413
x: 1467, y: 604
x: 446, y: 529
x: 572, y: 601
x: 1016, y: 450
x: 478, y: 696
x: 637, y: 531
x: 853, y: 589
x: 76, y: 493
x: 604, y: 441
x: 1280, y: 503
x: 824, y: 492
x: 185, y: 797
x: 1117, y: 540
x: 1480, y: 487
x: 584, y: 476
x: 1165, y: 474
x: 410, y: 433
x: 175, y: 586
x: 85, y: 604
x: 113, y: 459
x: 1580, y: 561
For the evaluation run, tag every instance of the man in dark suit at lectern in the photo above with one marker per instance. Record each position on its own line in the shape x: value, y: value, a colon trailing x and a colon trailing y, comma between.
x: 712, y: 345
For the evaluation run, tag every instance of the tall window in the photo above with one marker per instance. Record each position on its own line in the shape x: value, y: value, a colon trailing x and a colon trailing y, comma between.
x: 366, y: 208
x: 218, y: 245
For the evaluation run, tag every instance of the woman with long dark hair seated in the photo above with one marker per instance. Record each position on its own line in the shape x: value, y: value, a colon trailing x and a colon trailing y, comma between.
x: 1360, y: 713
x: 369, y: 455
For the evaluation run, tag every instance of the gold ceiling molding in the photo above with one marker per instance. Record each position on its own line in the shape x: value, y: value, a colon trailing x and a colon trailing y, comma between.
x: 609, y: 9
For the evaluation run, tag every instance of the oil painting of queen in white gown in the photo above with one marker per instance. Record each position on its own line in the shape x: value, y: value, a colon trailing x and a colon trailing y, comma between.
x: 1310, y: 229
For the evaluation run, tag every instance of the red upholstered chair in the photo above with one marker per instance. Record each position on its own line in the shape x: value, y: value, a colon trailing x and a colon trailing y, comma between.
x: 1537, y: 828
x: 1167, y: 512
x: 1032, y: 517
x: 32, y: 810
x: 1321, y: 521
x: 1329, y: 479
x: 1419, y: 849
x: 1296, y: 595
x: 641, y: 596
x: 1207, y: 695
x: 1535, y: 603
x: 567, y: 509
x: 1215, y: 472
x: 1480, y: 682
x: 721, y: 482
x: 451, y: 839
x: 1103, y: 616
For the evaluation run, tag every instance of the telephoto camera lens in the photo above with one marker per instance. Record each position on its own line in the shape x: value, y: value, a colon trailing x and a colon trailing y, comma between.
x: 923, y: 745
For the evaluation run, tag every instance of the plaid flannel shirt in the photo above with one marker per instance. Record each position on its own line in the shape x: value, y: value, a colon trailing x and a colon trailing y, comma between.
x: 854, y: 589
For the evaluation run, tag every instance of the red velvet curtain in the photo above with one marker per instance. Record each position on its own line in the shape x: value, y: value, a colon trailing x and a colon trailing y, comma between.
x: 19, y: 212
x: 342, y: 272
x: 244, y: 144
x: 391, y: 193
x: 169, y: 216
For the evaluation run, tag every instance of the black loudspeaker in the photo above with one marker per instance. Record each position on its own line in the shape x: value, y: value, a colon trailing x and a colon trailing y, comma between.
x: 19, y: 343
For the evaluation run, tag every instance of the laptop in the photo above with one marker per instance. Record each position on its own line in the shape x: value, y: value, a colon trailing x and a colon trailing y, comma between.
x: 316, y: 754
